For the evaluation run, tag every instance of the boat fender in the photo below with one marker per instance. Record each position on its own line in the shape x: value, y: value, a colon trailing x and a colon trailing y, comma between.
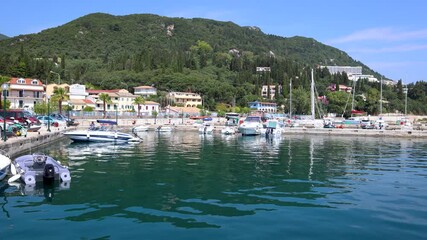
x: 13, y: 169
x: 87, y: 135
x: 14, y: 178
x: 49, y: 173
x: 65, y: 177
x: 30, y: 179
x: 115, y: 135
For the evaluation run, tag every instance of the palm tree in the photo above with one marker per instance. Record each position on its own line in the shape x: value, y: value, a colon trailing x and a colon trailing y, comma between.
x: 60, y: 94
x: 139, y: 101
x: 105, y: 98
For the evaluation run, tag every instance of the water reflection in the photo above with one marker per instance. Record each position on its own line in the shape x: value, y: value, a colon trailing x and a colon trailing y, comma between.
x: 194, y: 181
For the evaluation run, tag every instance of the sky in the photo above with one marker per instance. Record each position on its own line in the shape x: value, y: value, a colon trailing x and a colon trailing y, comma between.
x: 389, y: 36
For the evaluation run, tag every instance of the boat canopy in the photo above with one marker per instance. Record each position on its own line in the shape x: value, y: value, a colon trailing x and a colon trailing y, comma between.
x: 103, y: 121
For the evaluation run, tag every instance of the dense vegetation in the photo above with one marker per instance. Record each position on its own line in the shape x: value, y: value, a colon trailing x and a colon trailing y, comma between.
x: 3, y: 36
x: 216, y: 59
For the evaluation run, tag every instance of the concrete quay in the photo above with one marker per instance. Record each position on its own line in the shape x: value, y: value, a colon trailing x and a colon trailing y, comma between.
x: 15, y: 145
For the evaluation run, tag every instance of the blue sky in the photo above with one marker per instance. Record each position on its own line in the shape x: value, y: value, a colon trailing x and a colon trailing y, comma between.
x: 389, y: 36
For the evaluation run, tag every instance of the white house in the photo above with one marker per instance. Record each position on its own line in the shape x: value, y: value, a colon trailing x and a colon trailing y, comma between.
x: 145, y: 91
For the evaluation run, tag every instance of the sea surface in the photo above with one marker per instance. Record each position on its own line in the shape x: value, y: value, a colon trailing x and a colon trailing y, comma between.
x: 184, y: 185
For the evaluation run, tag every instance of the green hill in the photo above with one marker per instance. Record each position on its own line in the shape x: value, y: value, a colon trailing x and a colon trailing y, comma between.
x: 99, y: 35
x: 2, y: 36
x: 214, y: 58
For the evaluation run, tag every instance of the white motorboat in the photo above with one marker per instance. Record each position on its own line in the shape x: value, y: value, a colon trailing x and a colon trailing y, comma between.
x: 142, y: 128
x: 274, y: 128
x: 163, y: 128
x: 251, y: 126
x: 37, y: 167
x: 101, y: 134
x: 4, y: 164
x: 228, y: 131
x: 206, y: 129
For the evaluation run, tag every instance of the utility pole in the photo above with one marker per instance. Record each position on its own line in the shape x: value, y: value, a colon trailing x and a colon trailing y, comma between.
x: 381, y: 96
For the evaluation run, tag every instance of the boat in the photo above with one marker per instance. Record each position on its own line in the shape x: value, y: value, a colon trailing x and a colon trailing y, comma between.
x: 206, y: 129
x: 274, y: 128
x: 104, y: 133
x: 142, y: 128
x: 252, y: 125
x: 34, y: 128
x: 38, y: 168
x: 228, y: 130
x: 163, y: 128
x: 4, y: 164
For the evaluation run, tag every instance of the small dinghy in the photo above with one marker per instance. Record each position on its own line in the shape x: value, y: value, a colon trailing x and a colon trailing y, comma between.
x: 35, y: 168
x: 4, y: 164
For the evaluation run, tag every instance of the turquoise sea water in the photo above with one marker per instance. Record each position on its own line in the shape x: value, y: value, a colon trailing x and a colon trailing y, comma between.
x: 187, y: 186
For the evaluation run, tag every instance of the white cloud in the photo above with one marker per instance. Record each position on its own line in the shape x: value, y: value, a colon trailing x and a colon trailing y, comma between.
x: 392, y: 49
x: 381, y: 34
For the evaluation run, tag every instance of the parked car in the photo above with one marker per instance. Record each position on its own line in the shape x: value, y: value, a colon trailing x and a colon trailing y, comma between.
x: 69, y: 121
x: 24, y: 117
x: 45, y: 120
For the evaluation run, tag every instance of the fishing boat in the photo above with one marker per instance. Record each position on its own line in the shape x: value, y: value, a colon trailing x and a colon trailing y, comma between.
x: 38, y: 168
x: 103, y: 133
x: 251, y: 126
x: 4, y: 164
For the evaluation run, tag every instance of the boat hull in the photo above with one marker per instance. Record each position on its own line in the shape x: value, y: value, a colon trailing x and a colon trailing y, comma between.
x: 100, y: 136
x: 4, y: 166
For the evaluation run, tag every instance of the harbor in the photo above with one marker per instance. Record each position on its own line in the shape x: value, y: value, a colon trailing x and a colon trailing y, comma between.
x: 15, y: 145
x: 183, y: 183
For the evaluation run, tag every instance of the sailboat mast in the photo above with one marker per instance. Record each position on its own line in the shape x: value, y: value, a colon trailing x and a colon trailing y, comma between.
x: 354, y: 92
x: 381, y: 96
x: 313, y: 115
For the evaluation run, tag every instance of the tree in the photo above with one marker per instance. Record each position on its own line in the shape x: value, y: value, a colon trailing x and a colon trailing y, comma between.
x: 59, y: 94
x: 88, y: 109
x: 139, y: 101
x: 105, y: 98
x: 301, y: 101
x: 40, y: 108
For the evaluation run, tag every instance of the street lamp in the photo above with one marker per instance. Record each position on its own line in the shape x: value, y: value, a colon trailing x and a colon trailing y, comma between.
x: 59, y: 76
x: 48, y: 114
x: 4, y: 87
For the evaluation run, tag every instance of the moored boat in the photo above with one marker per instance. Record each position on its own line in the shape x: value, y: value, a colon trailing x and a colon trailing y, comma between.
x: 4, y: 164
x: 251, y: 126
x: 38, y: 168
x: 101, y: 134
x: 228, y: 130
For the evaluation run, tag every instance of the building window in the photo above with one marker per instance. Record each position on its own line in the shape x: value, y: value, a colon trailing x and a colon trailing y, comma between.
x: 35, y: 82
x: 21, y: 81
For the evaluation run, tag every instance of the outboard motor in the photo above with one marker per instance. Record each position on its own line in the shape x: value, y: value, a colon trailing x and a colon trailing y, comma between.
x: 49, y: 174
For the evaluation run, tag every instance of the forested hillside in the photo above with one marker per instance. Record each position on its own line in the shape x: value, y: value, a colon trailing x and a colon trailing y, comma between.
x: 213, y: 58
x: 3, y: 36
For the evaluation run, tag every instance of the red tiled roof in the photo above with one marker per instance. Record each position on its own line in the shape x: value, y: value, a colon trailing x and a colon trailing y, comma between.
x: 102, y: 91
x: 144, y: 87
x: 27, y: 81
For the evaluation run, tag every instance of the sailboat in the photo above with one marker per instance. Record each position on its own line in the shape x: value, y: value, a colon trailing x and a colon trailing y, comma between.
x: 312, y: 121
